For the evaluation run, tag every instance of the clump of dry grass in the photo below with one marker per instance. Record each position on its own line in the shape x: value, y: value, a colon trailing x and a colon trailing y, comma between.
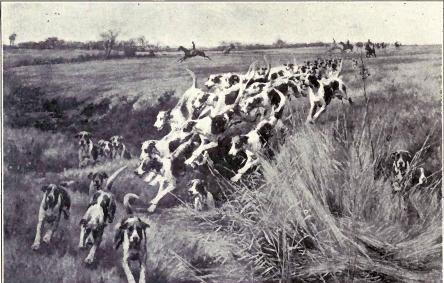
x: 322, y: 214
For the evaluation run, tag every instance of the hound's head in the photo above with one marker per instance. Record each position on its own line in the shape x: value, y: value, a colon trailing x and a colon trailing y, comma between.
x: 83, y: 137
x: 401, y: 161
x: 105, y: 146
x: 116, y: 141
x: 196, y: 187
x: 219, y: 123
x: 213, y: 80
x: 222, y: 80
x: 91, y: 231
x: 51, y: 193
x: 251, y: 103
x: 254, y: 88
x: 134, y: 230
x: 237, y: 144
x: 148, y: 165
x: 148, y: 149
x: 276, y: 73
x: 162, y: 119
x: 312, y: 81
x: 339, y: 89
x: 98, y: 179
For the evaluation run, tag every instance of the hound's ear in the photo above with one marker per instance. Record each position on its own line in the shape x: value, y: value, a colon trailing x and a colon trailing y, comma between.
x: 144, y: 224
x: 45, y: 188
x: 90, y: 175
x: 82, y: 222
x: 393, y: 155
x: 76, y: 136
x: 118, y: 237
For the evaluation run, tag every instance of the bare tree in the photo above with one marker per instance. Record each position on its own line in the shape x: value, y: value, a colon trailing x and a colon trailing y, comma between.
x: 12, y: 38
x: 109, y: 40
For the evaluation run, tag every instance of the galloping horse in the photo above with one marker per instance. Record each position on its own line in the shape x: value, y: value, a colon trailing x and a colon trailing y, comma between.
x: 191, y: 53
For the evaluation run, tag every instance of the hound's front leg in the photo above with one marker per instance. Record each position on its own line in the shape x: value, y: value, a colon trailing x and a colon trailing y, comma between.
x: 82, y: 235
x: 320, y: 111
x: 142, y: 271
x: 199, y: 150
x: 38, y: 233
x: 50, y: 232
x: 128, y: 273
x: 92, y: 253
x: 251, y: 161
x: 162, y: 192
x: 311, y: 113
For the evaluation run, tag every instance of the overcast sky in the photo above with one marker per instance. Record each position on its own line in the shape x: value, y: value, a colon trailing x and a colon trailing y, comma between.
x: 210, y: 23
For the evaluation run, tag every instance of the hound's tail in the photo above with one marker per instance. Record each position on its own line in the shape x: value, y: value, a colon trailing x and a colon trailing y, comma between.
x: 113, y: 177
x: 268, y: 68
x: 193, y: 76
x: 126, y: 202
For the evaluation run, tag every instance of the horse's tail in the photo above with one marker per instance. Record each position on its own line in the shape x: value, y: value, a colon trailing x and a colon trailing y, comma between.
x: 193, y: 76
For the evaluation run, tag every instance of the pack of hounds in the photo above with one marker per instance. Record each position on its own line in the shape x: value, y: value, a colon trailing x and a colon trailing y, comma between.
x: 228, y: 125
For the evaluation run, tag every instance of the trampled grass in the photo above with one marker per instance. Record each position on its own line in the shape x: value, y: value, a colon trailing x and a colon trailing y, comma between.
x: 323, y: 209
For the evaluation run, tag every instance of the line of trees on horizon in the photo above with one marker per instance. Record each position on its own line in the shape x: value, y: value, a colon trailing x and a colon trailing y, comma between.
x: 109, y: 42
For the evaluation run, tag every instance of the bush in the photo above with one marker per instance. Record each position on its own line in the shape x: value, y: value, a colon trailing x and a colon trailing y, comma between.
x: 129, y: 50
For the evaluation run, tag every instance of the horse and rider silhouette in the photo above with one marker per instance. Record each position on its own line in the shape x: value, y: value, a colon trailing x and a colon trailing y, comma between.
x: 191, y: 53
x: 343, y: 47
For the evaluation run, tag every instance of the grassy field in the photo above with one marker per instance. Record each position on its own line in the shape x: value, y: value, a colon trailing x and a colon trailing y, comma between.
x: 320, y: 211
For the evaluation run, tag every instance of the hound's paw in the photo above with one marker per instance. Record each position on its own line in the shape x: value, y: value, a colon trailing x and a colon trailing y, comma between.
x: 236, y: 178
x: 47, y: 238
x: 89, y: 260
x: 35, y: 246
x: 152, y: 208
x: 188, y: 162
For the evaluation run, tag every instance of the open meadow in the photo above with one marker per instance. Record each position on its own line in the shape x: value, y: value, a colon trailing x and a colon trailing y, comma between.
x: 321, y: 211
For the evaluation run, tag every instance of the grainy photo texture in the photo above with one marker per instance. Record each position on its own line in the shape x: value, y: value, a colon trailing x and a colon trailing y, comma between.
x: 222, y: 142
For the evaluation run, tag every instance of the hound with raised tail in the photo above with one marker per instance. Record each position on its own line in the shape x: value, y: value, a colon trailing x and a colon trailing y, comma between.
x: 183, y: 110
x: 88, y: 151
x: 131, y: 235
x: 202, y: 199
x: 99, y: 213
x: 55, y: 201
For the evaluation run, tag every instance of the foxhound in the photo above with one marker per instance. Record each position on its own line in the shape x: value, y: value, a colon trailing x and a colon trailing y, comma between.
x: 403, y: 173
x: 88, y: 152
x: 202, y: 199
x: 251, y: 144
x: 98, y: 181
x: 99, y: 213
x: 159, y: 172
x: 105, y: 150
x: 55, y: 201
x: 321, y: 92
x: 131, y: 235
x: 118, y: 149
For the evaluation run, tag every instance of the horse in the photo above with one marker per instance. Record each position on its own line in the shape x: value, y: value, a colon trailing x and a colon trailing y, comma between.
x: 346, y: 46
x: 397, y: 44
x: 228, y: 49
x: 370, y: 50
x: 191, y: 53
